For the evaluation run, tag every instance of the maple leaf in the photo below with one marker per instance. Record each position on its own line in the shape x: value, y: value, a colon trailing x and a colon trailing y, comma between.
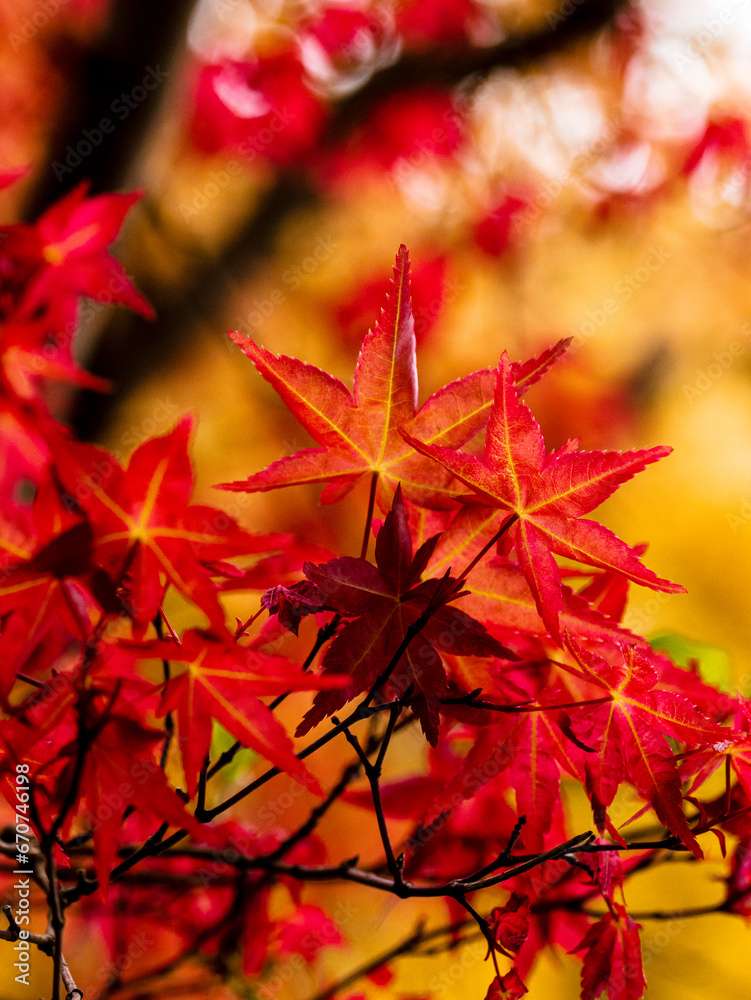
x: 143, y: 524
x: 257, y: 105
x: 385, y: 601
x: 628, y: 736
x: 527, y: 749
x: 510, y: 924
x: 738, y: 882
x: 42, y: 725
x: 500, y: 596
x: 546, y: 496
x: 50, y: 581
x: 613, y: 958
x: 734, y: 750
x: 508, y: 987
x: 292, y: 604
x: 223, y: 681
x: 358, y: 433
x: 73, y: 236
x: 306, y: 931
x: 120, y: 770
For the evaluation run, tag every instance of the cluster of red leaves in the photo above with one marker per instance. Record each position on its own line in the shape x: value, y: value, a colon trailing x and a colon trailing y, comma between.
x: 572, y: 693
x: 272, y: 103
x: 525, y: 682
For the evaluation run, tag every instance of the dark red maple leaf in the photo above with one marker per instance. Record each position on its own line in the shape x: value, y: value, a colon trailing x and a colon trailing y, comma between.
x: 546, y: 496
x: 293, y: 603
x: 358, y: 433
x: 510, y: 924
x: 384, y: 602
x: 613, y: 958
x: 738, y: 882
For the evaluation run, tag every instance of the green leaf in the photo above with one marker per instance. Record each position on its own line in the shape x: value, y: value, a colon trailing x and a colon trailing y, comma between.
x: 714, y: 663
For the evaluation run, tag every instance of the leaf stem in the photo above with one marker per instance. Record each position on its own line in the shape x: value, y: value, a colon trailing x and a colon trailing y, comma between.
x: 489, y: 545
x: 369, y: 516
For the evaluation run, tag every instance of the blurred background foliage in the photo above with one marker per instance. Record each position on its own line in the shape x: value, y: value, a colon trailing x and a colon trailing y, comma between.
x: 569, y: 168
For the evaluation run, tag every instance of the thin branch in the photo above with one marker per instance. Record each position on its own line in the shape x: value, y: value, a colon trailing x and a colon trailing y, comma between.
x: 349, y: 774
x: 324, y: 634
x: 43, y: 942
x: 169, y: 722
x: 472, y: 701
x: 373, y: 774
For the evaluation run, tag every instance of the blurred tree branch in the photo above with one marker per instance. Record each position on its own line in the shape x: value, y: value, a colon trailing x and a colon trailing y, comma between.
x: 128, y: 347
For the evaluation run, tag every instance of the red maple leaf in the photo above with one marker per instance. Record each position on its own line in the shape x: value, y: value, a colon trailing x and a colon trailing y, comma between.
x: 525, y: 750
x: 49, y: 581
x: 628, y: 734
x: 257, y: 107
x: 613, y: 958
x: 358, y: 433
x: 546, y: 496
x: 508, y: 987
x: 501, y: 598
x: 120, y: 770
x: 72, y: 241
x: 224, y: 681
x: 306, y: 931
x: 510, y: 924
x: 384, y: 602
x: 733, y: 752
x: 143, y: 523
